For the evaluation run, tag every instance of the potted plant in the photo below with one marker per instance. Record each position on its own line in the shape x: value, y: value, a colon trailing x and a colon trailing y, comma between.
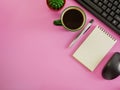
x: 56, y: 4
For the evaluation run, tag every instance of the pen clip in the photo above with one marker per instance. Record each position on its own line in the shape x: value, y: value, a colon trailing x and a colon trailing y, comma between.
x: 86, y: 31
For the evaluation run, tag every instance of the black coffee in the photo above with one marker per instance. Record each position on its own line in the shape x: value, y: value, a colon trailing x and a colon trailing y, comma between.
x: 73, y: 19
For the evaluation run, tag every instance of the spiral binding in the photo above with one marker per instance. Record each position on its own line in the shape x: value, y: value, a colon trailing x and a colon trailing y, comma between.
x: 109, y: 35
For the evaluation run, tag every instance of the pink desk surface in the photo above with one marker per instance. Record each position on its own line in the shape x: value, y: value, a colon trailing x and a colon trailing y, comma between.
x: 34, y: 53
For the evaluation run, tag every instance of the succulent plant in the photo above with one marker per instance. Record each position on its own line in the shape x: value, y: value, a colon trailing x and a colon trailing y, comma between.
x: 56, y: 4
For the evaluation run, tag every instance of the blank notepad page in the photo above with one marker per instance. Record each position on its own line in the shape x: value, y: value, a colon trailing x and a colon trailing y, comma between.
x: 94, y: 48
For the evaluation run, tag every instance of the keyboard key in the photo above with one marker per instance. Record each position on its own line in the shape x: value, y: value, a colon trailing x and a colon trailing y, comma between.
x: 108, y: 10
x: 118, y: 11
x: 105, y: 1
x: 109, y: 18
x: 116, y: 3
x: 112, y: 13
x: 118, y: 26
x: 112, y: 1
x: 104, y: 14
x: 119, y: 6
x: 100, y: 4
x: 117, y: 17
x: 95, y: 1
x: 104, y: 7
x: 114, y: 8
x: 115, y: 22
x: 109, y: 5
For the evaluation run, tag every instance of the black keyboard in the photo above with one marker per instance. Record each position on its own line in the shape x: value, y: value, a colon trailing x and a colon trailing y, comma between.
x: 108, y: 11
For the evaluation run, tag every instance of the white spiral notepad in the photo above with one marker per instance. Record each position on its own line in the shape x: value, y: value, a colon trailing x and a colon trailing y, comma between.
x: 91, y: 52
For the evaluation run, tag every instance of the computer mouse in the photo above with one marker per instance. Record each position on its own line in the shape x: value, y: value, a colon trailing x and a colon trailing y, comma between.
x: 112, y: 67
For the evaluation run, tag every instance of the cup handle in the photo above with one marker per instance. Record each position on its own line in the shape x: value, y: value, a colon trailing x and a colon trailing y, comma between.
x: 57, y: 22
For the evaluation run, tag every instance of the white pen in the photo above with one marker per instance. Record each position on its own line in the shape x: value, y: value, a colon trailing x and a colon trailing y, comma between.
x: 81, y: 33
